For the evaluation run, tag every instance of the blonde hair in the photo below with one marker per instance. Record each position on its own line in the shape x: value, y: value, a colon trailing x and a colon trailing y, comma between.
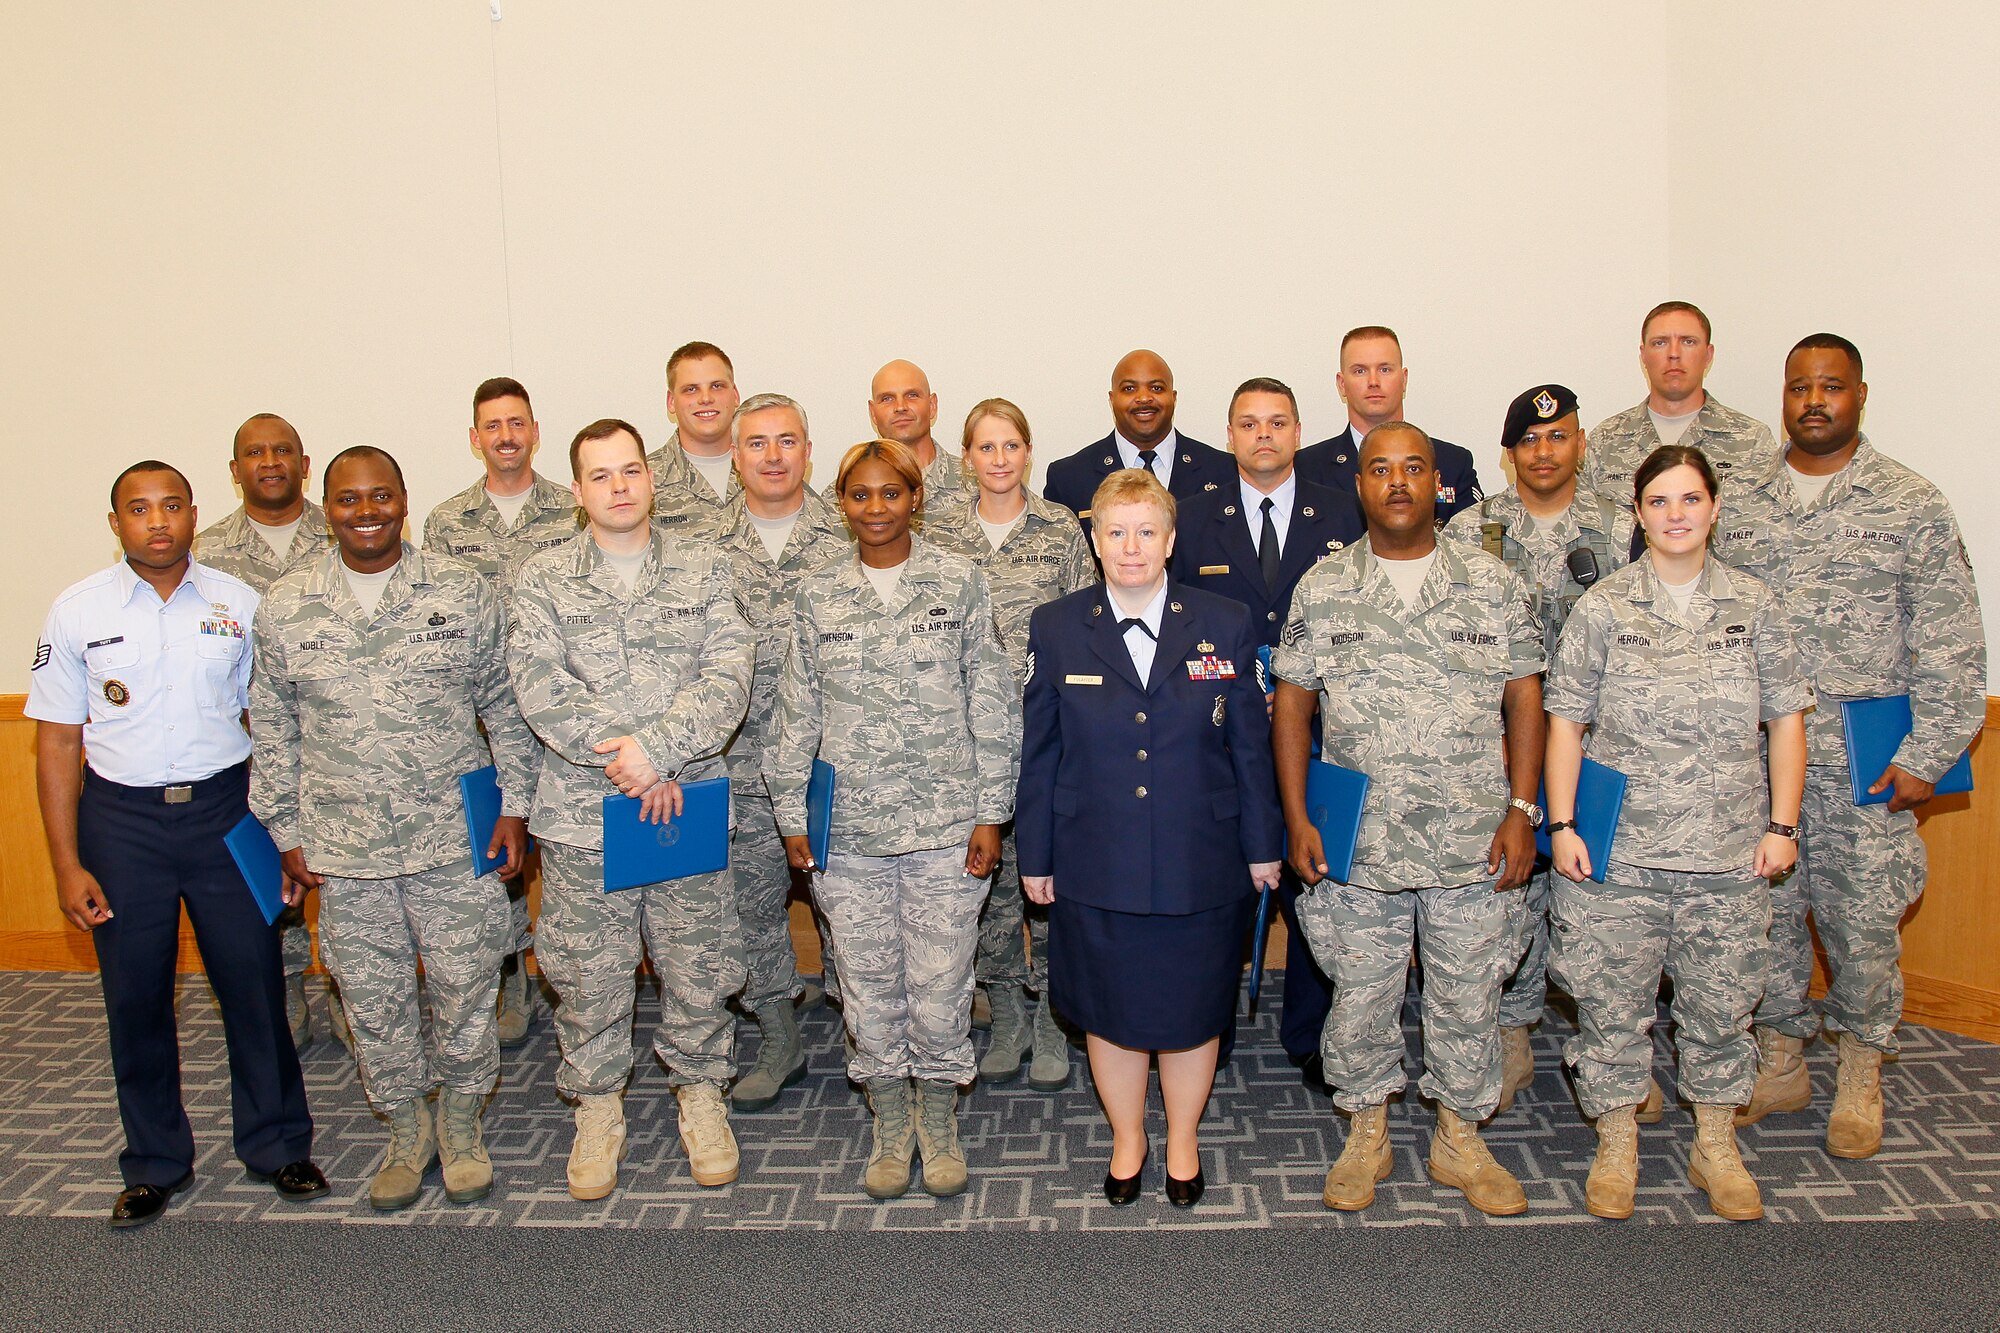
x: 996, y: 407
x: 897, y: 456
x: 1134, y: 486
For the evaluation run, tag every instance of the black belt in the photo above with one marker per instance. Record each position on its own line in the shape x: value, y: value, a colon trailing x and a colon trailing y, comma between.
x: 179, y: 794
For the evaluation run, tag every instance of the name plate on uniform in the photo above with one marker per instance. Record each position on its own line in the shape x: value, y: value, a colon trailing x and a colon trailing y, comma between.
x: 1215, y: 569
x: 1083, y: 680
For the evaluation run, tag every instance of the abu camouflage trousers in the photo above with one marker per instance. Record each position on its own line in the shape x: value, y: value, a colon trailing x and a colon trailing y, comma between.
x: 1860, y: 868
x: 590, y: 944
x: 1003, y: 961
x: 373, y: 935
x: 1526, y: 992
x: 1612, y: 943
x: 904, y: 932
x: 1465, y: 937
x: 763, y: 880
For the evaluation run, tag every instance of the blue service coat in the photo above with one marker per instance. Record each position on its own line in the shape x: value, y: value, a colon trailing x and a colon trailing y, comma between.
x: 1074, y: 479
x: 1213, y: 550
x: 1335, y: 462
x: 1148, y: 798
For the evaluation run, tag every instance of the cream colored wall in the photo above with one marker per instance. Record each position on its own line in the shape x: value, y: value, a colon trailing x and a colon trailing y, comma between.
x: 350, y: 214
x: 1833, y: 169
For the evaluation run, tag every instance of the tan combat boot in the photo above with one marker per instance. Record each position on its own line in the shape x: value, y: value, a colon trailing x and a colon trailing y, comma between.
x: 412, y: 1149
x: 516, y: 1002
x: 705, y: 1134
x: 1716, y: 1166
x: 1614, y: 1173
x: 1783, y: 1083
x: 598, y: 1147
x: 1517, y: 1066
x: 1460, y: 1159
x: 1854, y: 1130
x: 1652, y: 1108
x: 1049, y: 1070
x: 468, y: 1171
x: 1366, y: 1159
x: 888, y: 1174
x: 937, y: 1137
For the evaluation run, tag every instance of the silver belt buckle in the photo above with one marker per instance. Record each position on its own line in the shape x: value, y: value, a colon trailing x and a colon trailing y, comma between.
x: 177, y: 795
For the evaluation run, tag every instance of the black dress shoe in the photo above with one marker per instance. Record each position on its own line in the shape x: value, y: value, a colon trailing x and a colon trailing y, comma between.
x: 142, y: 1203
x: 1185, y: 1193
x: 1312, y: 1073
x: 297, y: 1181
x: 1120, y: 1191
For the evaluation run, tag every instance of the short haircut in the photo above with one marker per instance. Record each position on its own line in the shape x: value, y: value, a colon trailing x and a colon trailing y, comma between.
x: 1369, y: 331
x: 602, y: 429
x: 1672, y: 307
x: 1830, y: 342
x: 1134, y: 486
x: 1668, y: 457
x: 360, y: 451
x: 264, y: 416
x: 996, y: 407
x: 1264, y: 384
x: 1393, y: 428
x: 895, y: 454
x: 764, y: 402
x: 690, y: 351
x: 150, y: 465
x: 500, y: 386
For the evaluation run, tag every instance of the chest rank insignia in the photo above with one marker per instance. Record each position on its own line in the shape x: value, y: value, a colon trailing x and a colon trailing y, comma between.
x: 116, y: 694
x: 437, y: 618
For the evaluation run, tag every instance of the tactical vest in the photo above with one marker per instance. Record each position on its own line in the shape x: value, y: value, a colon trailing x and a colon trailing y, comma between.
x: 1552, y: 605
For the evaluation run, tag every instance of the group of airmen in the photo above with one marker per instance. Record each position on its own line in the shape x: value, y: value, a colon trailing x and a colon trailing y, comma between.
x: 631, y: 631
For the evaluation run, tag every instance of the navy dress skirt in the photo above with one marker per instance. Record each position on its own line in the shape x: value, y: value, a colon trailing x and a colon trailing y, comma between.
x: 1151, y: 983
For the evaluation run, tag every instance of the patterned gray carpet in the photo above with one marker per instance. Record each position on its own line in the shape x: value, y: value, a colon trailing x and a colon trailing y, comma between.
x: 1036, y: 1158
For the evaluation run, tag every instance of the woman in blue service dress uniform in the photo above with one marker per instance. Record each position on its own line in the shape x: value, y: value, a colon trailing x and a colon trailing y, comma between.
x: 1147, y: 816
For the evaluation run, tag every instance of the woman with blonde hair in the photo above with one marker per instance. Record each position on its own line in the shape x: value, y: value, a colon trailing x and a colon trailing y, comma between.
x: 1033, y: 552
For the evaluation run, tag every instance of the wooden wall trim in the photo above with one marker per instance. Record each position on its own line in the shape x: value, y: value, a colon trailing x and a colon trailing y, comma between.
x: 13, y: 707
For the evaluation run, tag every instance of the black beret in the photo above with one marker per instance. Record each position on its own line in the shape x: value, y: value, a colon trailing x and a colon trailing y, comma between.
x: 1544, y: 402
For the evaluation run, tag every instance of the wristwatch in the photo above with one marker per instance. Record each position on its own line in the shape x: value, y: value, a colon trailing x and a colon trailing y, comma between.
x: 1783, y: 830
x: 1560, y: 825
x: 1528, y: 808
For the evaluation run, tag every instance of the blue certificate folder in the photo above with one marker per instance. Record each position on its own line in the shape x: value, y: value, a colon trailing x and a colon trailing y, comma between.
x: 1600, y: 799
x: 481, y: 790
x: 1334, y: 798
x: 637, y: 853
x: 250, y: 846
x: 1875, y: 727
x: 819, y: 811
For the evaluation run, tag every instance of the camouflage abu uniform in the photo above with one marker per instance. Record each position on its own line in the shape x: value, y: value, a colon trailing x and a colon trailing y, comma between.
x: 765, y: 591
x: 914, y: 706
x: 1875, y: 587
x: 684, y: 504
x: 1437, y: 791
x: 1674, y: 700
x: 1043, y: 558
x: 235, y: 548
x: 668, y: 663
x: 1539, y: 553
x: 361, y: 727
x: 1738, y: 446
x: 470, y: 526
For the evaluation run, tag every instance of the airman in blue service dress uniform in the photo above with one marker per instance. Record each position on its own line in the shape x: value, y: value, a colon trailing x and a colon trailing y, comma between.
x: 1142, y: 436
x: 147, y: 664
